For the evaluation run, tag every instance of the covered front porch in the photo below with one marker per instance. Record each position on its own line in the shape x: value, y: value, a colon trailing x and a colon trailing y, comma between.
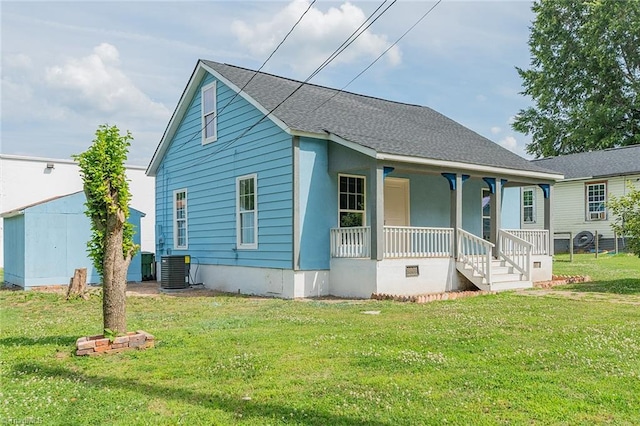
x: 382, y: 246
x: 425, y: 260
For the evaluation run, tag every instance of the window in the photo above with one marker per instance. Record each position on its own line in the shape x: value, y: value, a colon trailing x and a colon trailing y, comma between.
x: 351, y: 202
x: 180, y: 219
x: 528, y: 206
x: 486, y: 214
x: 209, y: 114
x: 247, y: 212
x: 596, y: 197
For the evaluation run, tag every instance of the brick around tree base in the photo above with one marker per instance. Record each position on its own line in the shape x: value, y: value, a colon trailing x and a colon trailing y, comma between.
x: 98, y: 345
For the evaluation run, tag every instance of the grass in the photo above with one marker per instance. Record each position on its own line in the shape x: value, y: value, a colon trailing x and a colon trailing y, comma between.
x: 506, y: 358
x: 619, y: 274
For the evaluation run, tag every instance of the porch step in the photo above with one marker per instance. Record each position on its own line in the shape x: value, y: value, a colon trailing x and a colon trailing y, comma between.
x: 502, y: 277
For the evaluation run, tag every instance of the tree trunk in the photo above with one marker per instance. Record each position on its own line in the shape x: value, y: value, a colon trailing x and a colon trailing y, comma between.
x: 78, y: 284
x: 114, y: 285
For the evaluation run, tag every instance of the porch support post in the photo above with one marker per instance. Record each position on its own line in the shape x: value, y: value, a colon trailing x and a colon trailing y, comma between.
x: 376, y: 209
x: 547, y: 191
x: 455, y: 184
x: 496, y: 219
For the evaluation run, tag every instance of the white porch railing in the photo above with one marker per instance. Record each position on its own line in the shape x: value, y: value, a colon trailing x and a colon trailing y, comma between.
x: 351, y: 242
x: 476, y: 253
x: 409, y: 241
x: 539, y: 238
x: 516, y: 252
x: 399, y: 242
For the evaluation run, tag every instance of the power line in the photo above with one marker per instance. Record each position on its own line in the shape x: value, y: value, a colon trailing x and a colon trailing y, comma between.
x: 217, y: 113
x: 327, y: 61
x: 375, y: 60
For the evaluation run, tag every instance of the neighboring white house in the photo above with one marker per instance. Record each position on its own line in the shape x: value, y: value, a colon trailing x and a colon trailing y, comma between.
x: 26, y: 180
x: 580, y: 199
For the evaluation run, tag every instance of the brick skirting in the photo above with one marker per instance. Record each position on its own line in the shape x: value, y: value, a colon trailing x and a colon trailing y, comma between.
x: 426, y: 298
x: 562, y: 280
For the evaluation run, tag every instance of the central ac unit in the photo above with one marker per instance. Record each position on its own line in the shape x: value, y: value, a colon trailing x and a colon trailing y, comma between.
x: 174, y: 272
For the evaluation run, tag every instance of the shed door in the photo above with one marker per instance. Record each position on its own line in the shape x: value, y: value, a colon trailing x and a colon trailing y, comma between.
x: 396, y: 202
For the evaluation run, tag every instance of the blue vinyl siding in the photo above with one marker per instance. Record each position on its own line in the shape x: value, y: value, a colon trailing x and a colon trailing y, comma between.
x: 430, y: 200
x: 209, y: 174
x: 53, y: 237
x: 14, y: 250
x: 511, y: 208
x: 318, y: 204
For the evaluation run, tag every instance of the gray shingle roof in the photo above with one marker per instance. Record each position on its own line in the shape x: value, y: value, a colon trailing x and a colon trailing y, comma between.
x: 608, y: 162
x: 384, y: 126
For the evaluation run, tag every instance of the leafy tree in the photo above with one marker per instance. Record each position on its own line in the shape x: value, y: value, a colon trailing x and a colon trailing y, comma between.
x: 111, y: 246
x: 627, y: 221
x: 584, y: 77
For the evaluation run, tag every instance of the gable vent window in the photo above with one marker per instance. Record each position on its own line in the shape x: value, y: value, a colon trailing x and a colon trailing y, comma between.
x: 596, y: 198
x: 209, y: 114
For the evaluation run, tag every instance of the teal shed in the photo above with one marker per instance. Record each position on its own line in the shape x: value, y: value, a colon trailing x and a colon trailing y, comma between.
x: 45, y: 242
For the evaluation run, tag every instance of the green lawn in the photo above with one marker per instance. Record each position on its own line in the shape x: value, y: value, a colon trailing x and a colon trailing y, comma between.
x: 618, y: 274
x: 506, y: 358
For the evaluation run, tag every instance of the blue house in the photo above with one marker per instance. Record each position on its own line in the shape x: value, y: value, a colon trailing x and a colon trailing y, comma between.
x: 45, y: 242
x: 276, y: 187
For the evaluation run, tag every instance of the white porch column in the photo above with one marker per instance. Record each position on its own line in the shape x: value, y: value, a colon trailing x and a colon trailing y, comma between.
x: 496, y: 207
x: 376, y: 208
x: 455, y: 185
x: 547, y: 191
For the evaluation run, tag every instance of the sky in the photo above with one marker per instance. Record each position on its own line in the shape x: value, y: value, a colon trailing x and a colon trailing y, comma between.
x: 68, y: 67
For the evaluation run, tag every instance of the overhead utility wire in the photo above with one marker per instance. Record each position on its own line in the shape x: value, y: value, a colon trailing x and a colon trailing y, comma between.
x: 375, y: 60
x: 332, y: 57
x: 217, y: 113
x: 349, y: 39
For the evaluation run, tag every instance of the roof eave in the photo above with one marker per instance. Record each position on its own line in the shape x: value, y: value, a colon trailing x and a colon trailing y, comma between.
x: 11, y: 213
x: 470, y: 167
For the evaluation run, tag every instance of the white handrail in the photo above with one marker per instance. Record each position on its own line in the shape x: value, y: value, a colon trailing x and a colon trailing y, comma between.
x: 539, y: 238
x: 351, y: 242
x: 476, y: 253
x: 516, y: 252
x: 411, y: 241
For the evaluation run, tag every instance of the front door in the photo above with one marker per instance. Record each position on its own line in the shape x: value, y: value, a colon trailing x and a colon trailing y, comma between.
x: 396, y: 202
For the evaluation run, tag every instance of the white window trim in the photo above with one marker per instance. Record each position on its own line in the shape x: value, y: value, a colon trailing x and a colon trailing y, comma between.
x: 533, y: 205
x: 586, y: 200
x: 254, y: 245
x: 186, y: 220
x: 482, y: 216
x: 213, y: 138
x: 364, y: 193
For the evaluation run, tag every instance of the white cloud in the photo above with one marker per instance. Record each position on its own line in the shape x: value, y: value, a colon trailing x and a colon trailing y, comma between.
x: 509, y: 142
x: 19, y: 60
x: 315, y: 37
x: 97, y: 83
x: 512, y: 144
x: 495, y: 130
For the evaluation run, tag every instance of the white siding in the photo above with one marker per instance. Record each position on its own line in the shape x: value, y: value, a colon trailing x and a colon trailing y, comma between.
x: 569, y: 210
x: 27, y: 180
